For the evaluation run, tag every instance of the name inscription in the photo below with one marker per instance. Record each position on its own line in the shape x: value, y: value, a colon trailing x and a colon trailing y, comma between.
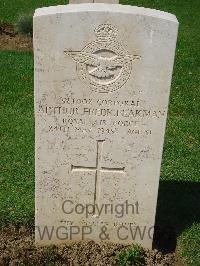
x: 103, y: 116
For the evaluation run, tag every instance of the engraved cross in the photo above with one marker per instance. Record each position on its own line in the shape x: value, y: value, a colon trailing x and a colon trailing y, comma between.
x: 98, y: 169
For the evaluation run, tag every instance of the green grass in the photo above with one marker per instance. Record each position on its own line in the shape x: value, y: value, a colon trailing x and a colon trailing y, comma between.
x: 189, y: 241
x: 16, y: 138
x: 179, y: 193
x: 11, y: 9
x: 131, y: 256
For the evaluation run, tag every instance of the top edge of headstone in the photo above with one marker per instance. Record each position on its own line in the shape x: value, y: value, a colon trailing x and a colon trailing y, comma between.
x: 100, y: 7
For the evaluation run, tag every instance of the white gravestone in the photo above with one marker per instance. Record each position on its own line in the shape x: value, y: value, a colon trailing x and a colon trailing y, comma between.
x: 102, y: 83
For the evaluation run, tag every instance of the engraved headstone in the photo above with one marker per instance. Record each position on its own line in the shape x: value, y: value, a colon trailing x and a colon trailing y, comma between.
x: 102, y: 83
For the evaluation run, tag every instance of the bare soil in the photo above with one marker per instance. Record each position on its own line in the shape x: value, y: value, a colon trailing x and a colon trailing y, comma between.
x: 17, y: 248
x: 10, y: 40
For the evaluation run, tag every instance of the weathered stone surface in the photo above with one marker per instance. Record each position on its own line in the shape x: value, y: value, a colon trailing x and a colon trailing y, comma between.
x: 102, y: 82
x: 80, y: 1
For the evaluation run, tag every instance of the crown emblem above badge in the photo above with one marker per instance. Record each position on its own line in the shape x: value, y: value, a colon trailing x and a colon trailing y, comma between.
x: 106, y: 32
x: 103, y: 64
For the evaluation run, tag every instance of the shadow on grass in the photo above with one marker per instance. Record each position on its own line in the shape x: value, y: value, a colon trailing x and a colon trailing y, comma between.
x: 178, y: 207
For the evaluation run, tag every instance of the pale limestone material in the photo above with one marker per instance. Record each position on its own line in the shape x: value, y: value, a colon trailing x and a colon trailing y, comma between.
x: 80, y: 1
x: 102, y: 83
